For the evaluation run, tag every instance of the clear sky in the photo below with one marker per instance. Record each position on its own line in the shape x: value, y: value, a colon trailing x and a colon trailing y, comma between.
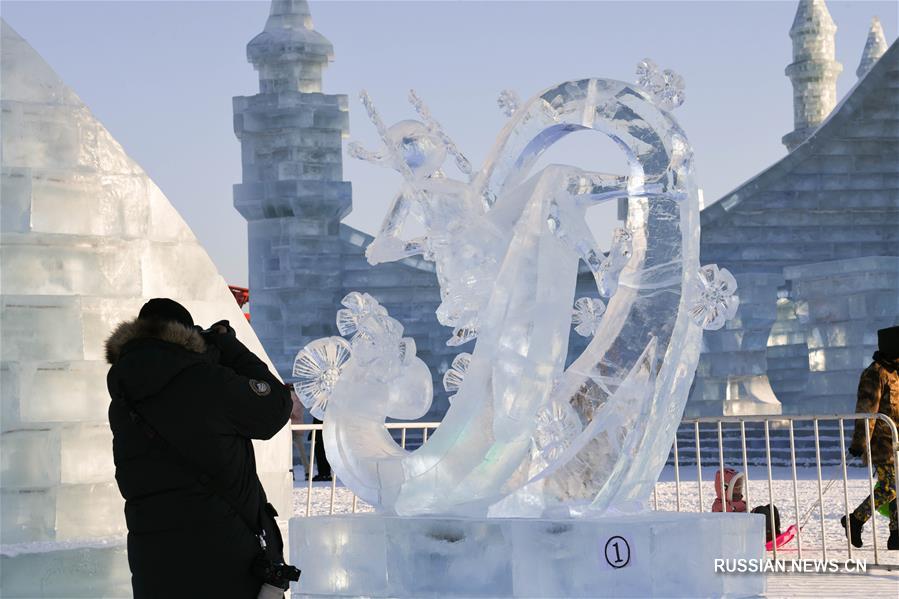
x: 160, y: 76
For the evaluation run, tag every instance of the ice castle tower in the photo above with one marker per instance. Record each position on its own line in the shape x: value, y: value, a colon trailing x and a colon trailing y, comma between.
x: 292, y: 193
x: 87, y: 237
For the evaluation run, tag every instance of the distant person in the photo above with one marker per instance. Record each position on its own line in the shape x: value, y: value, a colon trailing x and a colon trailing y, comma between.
x: 878, y: 392
x: 185, y: 405
x: 297, y: 414
x: 322, y: 466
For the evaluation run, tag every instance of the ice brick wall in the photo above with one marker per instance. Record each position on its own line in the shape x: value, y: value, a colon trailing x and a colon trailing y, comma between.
x: 786, y: 232
x: 87, y: 237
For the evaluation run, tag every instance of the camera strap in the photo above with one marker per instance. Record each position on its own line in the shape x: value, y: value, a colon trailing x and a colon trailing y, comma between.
x: 209, y: 482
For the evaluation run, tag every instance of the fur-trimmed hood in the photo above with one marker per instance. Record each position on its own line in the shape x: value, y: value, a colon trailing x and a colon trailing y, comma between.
x: 168, y: 331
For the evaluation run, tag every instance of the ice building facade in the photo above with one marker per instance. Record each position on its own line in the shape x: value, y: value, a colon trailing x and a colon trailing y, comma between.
x: 87, y: 238
x: 812, y: 240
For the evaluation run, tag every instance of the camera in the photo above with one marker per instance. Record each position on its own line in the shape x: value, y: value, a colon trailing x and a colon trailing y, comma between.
x: 277, y: 574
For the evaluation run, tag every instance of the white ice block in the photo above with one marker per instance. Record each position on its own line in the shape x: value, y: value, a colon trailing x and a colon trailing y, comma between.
x: 37, y: 393
x: 62, y: 513
x: 40, y: 328
x: 271, y: 456
x: 15, y: 211
x: 27, y: 516
x: 66, y: 570
x: 161, y: 275
x: 89, y: 511
x: 86, y: 454
x: 279, y: 491
x: 99, y: 317
x: 656, y: 554
x: 81, y: 267
x: 29, y: 458
x: 74, y: 203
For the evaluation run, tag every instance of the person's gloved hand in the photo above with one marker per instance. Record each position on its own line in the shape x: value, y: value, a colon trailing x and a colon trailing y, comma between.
x: 223, y: 337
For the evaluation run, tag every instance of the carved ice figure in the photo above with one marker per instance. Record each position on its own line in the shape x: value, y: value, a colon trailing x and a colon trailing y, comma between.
x: 506, y: 243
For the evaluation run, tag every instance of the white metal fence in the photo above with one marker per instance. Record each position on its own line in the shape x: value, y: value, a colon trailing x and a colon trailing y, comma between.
x: 807, y: 544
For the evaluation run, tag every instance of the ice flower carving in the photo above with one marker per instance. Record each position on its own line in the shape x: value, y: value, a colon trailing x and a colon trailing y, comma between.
x: 452, y: 379
x: 358, y: 307
x: 557, y: 425
x: 666, y: 87
x: 586, y: 315
x: 375, y: 338
x: 614, y: 263
x: 508, y: 101
x: 317, y: 368
x: 715, y: 300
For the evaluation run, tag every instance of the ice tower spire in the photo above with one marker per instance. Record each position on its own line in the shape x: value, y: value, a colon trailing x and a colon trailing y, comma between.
x: 292, y: 193
x: 814, y: 69
x: 875, y: 46
x: 289, y: 54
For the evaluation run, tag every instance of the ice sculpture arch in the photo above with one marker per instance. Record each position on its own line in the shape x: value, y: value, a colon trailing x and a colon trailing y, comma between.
x: 507, y: 245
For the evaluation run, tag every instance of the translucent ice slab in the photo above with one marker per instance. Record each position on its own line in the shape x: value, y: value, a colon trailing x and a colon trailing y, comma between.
x: 650, y: 555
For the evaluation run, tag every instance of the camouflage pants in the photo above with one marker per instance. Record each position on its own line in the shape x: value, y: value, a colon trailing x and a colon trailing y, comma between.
x: 883, y: 493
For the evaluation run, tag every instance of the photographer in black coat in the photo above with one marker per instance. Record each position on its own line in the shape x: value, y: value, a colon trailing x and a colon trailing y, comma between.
x: 185, y: 405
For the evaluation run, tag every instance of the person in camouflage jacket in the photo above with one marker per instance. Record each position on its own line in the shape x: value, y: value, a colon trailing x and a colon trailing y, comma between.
x: 878, y: 392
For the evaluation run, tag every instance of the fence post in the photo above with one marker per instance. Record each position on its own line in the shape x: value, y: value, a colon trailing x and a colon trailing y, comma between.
x: 845, y: 484
x: 698, y: 465
x: 820, y: 492
x: 676, y: 475
x: 309, y: 487
x: 745, y: 464
x: 770, y: 490
x: 871, y: 487
x: 795, y: 490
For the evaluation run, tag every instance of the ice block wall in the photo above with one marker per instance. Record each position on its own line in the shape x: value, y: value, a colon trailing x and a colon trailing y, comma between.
x: 87, y: 237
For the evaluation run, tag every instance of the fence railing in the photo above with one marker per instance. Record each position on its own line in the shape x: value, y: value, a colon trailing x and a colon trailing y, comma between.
x: 398, y: 428
x: 413, y: 434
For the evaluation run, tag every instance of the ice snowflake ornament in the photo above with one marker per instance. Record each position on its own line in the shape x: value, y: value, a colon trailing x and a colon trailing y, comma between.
x: 666, y: 87
x: 508, y: 101
x: 715, y: 300
x: 586, y: 314
x: 557, y: 426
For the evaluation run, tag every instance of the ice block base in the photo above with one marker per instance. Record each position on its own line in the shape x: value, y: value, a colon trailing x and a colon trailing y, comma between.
x: 648, y: 555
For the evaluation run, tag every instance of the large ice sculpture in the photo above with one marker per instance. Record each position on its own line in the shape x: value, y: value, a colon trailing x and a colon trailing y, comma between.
x: 507, y: 242
x: 87, y: 237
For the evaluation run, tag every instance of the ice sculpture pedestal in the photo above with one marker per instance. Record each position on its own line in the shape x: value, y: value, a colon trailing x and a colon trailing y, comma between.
x: 649, y: 555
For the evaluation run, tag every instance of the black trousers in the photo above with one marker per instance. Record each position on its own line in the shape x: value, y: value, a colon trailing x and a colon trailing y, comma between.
x: 321, y: 459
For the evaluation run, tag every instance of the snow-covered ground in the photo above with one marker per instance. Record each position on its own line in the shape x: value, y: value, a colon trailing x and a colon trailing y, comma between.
x: 876, y: 583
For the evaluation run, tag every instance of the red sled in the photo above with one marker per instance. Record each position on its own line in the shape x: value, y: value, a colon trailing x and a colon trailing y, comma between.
x: 783, y: 538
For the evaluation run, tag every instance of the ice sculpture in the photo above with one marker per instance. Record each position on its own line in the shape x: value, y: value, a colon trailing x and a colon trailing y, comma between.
x: 87, y: 237
x: 506, y: 242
